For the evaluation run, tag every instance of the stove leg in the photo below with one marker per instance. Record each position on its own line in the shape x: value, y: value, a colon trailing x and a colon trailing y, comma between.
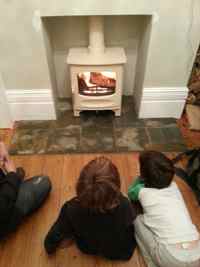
x: 117, y: 113
x: 76, y: 113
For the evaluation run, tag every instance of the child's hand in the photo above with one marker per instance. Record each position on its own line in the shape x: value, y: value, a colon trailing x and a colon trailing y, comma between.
x: 3, y: 151
x: 9, y: 166
x: 134, y: 189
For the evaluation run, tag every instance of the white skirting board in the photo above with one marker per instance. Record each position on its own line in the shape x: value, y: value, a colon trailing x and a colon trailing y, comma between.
x: 31, y: 104
x: 38, y: 104
x: 163, y: 102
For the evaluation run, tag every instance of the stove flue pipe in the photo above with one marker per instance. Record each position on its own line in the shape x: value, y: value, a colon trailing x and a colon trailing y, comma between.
x: 96, y: 34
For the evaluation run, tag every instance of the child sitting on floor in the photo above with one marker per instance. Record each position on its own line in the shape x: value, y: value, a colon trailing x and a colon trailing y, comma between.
x: 99, y: 218
x: 164, y: 232
x: 18, y: 198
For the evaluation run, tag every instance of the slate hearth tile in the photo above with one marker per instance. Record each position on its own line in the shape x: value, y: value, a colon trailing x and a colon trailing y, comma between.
x: 96, y: 140
x: 89, y: 141
x: 128, y: 115
x: 106, y: 138
x: 165, y: 135
x: 69, y: 130
x: 156, y: 136
x: 156, y: 123
x: 65, y: 119
x: 88, y: 131
x: 64, y: 144
x: 29, y: 141
x: 89, y: 144
x: 107, y: 144
x: 92, y: 118
x: 130, y: 139
x: 38, y: 124
x: 127, y: 120
x: 64, y: 140
x: 88, y: 118
x: 173, y: 134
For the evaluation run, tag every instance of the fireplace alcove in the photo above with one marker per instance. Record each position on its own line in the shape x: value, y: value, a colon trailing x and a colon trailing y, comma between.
x: 131, y: 32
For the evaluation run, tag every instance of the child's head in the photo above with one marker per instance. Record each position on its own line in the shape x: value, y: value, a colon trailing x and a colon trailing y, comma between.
x: 98, y: 187
x: 156, y: 169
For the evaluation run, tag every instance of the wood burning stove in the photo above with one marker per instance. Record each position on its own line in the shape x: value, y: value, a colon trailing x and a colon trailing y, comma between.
x: 96, y: 73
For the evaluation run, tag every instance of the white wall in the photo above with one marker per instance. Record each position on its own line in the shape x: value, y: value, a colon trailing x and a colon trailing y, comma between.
x: 143, y: 52
x: 22, y: 53
x: 50, y: 60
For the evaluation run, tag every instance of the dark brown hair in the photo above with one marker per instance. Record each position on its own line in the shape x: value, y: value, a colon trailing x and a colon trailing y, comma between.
x: 98, y: 186
x: 156, y: 169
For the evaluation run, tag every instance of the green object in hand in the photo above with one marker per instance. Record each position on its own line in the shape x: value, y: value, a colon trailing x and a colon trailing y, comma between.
x: 134, y: 189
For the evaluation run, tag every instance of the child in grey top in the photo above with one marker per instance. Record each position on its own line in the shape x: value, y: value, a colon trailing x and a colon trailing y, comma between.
x: 164, y: 232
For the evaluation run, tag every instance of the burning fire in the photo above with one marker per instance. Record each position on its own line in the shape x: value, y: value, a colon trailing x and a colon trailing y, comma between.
x: 97, y: 83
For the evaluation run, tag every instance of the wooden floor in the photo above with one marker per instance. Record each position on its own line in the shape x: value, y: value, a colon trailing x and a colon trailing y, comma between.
x: 25, y: 247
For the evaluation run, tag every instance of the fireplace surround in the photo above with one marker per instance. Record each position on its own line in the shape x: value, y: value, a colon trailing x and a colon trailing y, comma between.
x: 96, y: 72
x: 163, y: 55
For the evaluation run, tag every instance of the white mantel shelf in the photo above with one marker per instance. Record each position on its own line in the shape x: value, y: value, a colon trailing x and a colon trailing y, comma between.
x: 83, y: 56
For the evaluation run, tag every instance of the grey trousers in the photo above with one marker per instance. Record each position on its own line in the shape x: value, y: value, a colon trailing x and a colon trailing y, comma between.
x: 160, y: 255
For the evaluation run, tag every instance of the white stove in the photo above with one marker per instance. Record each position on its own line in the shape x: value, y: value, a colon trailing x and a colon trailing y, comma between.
x: 96, y: 72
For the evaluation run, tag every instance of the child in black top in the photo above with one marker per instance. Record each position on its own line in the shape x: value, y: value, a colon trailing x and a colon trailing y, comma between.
x: 99, y: 218
x: 18, y: 198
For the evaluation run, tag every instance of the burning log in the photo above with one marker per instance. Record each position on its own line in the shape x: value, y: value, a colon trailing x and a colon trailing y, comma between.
x: 102, y: 81
x: 97, y: 87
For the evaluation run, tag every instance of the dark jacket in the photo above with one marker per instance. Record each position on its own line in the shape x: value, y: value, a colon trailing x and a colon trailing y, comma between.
x: 109, y: 234
x: 9, y: 186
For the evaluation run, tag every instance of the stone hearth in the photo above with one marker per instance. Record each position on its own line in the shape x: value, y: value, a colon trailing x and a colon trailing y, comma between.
x: 96, y: 132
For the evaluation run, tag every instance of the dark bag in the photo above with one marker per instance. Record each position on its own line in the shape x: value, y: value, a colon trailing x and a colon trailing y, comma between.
x: 191, y: 175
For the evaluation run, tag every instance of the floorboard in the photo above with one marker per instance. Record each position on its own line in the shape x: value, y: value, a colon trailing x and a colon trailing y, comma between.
x: 25, y: 247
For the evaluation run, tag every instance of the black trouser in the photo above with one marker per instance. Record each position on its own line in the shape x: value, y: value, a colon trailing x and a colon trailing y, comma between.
x: 32, y: 194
